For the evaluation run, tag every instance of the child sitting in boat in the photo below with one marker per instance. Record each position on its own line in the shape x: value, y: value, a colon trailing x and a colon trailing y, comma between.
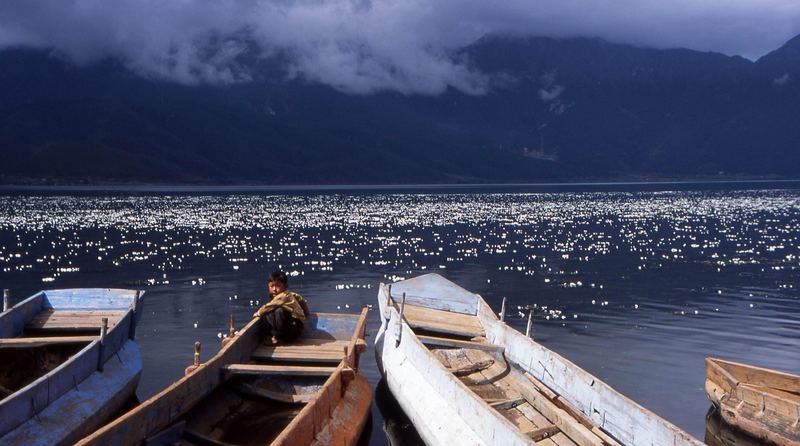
x: 282, y: 317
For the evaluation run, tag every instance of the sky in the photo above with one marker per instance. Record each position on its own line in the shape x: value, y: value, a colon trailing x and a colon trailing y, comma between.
x: 364, y: 46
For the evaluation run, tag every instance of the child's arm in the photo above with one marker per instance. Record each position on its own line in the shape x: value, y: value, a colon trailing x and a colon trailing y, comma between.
x: 303, y: 304
x: 267, y: 307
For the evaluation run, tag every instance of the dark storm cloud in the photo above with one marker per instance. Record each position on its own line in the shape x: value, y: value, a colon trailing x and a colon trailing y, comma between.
x: 361, y: 46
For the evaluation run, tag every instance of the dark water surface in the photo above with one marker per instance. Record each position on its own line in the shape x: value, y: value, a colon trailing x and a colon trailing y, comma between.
x: 639, y: 286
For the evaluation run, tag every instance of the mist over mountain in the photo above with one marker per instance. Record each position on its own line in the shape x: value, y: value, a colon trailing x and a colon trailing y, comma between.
x: 554, y: 110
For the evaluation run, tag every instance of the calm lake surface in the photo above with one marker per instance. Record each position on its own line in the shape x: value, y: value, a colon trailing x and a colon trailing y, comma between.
x: 637, y: 287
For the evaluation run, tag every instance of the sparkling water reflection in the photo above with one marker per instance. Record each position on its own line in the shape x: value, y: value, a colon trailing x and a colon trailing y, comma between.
x: 635, y: 287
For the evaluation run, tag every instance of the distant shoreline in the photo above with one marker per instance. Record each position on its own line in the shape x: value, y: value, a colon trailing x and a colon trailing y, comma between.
x: 433, y: 187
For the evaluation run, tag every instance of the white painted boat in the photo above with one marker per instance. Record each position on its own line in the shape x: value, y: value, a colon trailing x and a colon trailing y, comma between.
x: 62, y: 374
x: 464, y: 377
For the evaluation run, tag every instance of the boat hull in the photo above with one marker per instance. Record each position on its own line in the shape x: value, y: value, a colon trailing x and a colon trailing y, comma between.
x: 85, y: 408
x: 349, y: 416
x: 762, y: 402
x: 433, y: 409
x: 36, y: 327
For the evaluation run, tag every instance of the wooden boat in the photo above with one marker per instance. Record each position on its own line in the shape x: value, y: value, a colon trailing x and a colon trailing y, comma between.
x: 68, y: 363
x: 719, y: 433
x: 485, y: 383
x: 762, y: 402
x: 306, y: 392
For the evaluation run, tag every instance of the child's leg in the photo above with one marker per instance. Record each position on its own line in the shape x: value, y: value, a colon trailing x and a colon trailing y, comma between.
x: 280, y: 324
x: 293, y: 331
x: 272, y: 323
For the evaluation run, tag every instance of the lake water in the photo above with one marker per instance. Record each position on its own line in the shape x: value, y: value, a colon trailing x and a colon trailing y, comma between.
x: 639, y: 287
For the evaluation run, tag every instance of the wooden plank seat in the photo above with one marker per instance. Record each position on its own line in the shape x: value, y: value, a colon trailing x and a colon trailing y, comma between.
x: 439, y: 321
x: 260, y: 392
x: 65, y: 320
x: 269, y: 369
x: 42, y: 341
x: 457, y: 343
x: 304, y: 350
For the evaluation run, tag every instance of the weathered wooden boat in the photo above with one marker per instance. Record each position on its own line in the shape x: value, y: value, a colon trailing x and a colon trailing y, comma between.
x: 68, y: 363
x: 720, y: 433
x: 306, y: 392
x: 485, y: 383
x: 762, y: 402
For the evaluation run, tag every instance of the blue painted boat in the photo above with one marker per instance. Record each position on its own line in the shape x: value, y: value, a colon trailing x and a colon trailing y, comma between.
x: 68, y: 363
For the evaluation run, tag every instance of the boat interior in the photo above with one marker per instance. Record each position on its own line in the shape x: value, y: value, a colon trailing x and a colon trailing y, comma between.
x: 755, y: 381
x: 21, y: 366
x: 458, y: 341
x: 262, y: 395
x: 38, y: 334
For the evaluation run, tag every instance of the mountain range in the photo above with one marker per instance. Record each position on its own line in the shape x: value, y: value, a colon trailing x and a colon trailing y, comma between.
x: 560, y: 110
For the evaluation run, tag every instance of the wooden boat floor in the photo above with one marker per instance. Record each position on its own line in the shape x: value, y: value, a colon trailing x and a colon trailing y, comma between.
x: 439, y: 321
x: 72, y: 320
x: 228, y: 418
x: 28, y: 342
x: 237, y: 413
x: 303, y: 350
x: 499, y: 388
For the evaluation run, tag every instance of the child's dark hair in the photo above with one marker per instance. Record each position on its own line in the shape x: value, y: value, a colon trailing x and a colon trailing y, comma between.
x: 279, y: 276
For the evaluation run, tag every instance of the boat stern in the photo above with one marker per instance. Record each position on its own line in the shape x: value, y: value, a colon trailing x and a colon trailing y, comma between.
x: 92, y: 299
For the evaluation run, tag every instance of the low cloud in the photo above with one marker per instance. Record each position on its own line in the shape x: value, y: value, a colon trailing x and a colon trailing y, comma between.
x: 364, y: 46
x: 781, y: 81
x: 550, y: 93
